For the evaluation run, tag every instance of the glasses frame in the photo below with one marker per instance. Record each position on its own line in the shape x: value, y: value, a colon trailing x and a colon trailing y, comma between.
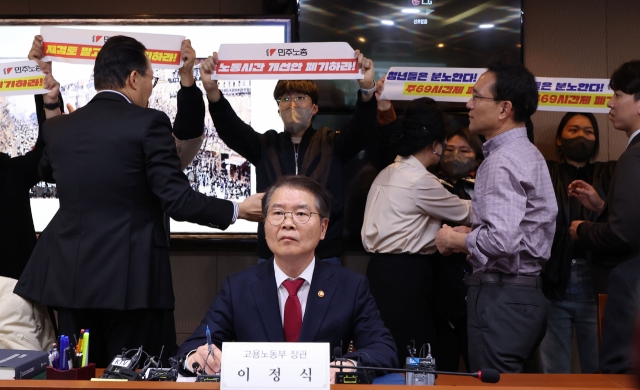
x: 284, y: 217
x: 281, y: 99
x: 475, y: 97
x: 154, y: 81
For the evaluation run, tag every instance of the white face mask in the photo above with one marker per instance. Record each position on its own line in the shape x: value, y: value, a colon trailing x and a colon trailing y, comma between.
x: 296, y: 119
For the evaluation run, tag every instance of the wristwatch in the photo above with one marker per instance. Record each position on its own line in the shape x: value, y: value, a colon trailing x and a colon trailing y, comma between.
x: 369, y: 91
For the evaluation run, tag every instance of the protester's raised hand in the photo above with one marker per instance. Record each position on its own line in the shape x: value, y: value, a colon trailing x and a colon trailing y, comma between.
x: 366, y: 65
x: 54, y: 88
x: 383, y: 105
x: 251, y: 208
x: 37, y: 53
x: 188, y: 56
x: 208, y: 68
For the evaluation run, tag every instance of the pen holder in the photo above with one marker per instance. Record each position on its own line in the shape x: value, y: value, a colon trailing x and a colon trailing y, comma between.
x: 83, y: 373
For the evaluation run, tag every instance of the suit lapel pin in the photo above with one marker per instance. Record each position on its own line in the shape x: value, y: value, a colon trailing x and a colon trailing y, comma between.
x: 321, y: 294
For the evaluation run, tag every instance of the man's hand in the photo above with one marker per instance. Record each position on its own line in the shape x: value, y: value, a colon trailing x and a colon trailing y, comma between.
x: 188, y: 56
x: 199, y: 356
x: 54, y: 88
x: 332, y: 372
x: 207, y: 68
x: 383, y: 105
x: 367, y: 69
x: 587, y: 195
x: 37, y: 53
x: 573, y: 230
x: 251, y: 208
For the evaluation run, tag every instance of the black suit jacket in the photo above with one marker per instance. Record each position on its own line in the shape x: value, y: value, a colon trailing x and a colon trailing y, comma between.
x: 246, y: 310
x: 116, y: 170
x: 619, y: 321
x: 616, y: 235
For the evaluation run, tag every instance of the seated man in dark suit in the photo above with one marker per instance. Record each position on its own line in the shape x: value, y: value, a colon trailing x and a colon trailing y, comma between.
x: 332, y: 304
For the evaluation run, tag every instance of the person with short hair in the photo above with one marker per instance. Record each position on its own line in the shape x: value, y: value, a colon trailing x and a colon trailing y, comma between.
x: 615, y: 236
x: 300, y: 149
x: 512, y: 229
x: 294, y: 296
x: 405, y: 208
x: 103, y: 260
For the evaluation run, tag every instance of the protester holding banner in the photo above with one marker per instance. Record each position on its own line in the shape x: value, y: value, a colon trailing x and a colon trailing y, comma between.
x: 572, y: 278
x: 300, y: 148
x: 405, y: 208
x: 17, y: 176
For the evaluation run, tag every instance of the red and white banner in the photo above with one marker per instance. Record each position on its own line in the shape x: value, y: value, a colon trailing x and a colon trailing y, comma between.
x: 456, y: 85
x: 21, y: 78
x: 287, y: 61
x: 79, y: 46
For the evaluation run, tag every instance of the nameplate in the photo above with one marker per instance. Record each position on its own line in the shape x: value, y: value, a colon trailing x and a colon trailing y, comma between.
x: 275, y: 366
x: 287, y: 61
x: 80, y: 46
x: 21, y: 78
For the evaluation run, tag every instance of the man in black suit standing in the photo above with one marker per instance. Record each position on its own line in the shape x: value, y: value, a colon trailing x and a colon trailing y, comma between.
x: 615, y: 238
x: 103, y: 260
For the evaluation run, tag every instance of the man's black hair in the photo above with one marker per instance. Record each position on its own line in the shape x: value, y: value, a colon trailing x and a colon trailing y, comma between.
x: 516, y: 84
x: 118, y: 57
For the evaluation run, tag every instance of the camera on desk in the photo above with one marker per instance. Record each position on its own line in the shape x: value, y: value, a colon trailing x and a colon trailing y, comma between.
x: 422, y: 363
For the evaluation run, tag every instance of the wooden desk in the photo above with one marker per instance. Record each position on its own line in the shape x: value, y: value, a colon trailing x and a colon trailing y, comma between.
x: 507, y: 381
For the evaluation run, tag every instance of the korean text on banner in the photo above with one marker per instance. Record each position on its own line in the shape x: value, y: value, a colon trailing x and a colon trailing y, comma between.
x: 21, y: 78
x: 287, y: 61
x: 275, y: 366
x: 456, y: 85
x: 81, y: 46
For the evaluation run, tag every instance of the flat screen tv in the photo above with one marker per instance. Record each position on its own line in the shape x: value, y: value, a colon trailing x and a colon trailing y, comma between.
x: 217, y: 170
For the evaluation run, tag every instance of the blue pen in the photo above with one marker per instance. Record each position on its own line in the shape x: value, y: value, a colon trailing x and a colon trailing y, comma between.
x: 209, y: 340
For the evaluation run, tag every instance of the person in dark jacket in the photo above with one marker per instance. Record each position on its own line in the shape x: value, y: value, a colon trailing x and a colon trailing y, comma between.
x: 301, y: 149
x: 570, y: 278
x: 460, y: 160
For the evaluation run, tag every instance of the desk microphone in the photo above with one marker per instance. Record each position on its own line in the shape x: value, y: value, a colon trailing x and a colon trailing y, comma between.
x: 486, y: 375
x: 351, y: 377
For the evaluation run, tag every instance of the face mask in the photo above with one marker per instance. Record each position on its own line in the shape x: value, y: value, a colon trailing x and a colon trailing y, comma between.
x: 456, y: 166
x: 296, y: 119
x: 576, y: 149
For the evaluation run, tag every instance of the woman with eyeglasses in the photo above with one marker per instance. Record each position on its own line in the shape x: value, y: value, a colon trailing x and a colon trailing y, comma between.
x: 405, y: 208
x: 571, y: 279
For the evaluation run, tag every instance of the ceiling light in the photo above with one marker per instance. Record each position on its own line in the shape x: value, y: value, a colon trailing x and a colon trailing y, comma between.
x: 440, y: 44
x: 362, y: 39
x: 486, y: 26
x: 387, y: 22
x: 410, y: 10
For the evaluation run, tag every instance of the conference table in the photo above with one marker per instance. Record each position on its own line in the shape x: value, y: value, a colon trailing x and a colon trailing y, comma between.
x: 507, y: 381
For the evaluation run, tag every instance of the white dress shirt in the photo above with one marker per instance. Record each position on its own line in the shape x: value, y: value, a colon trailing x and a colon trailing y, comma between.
x: 303, y: 292
x: 633, y: 135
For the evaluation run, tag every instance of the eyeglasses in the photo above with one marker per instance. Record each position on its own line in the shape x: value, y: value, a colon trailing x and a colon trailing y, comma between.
x: 154, y: 81
x: 476, y: 97
x: 299, y: 216
x: 286, y: 100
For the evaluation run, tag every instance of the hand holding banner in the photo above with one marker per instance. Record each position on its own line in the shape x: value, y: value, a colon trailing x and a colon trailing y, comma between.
x: 81, y: 46
x: 287, y: 61
x: 21, y: 78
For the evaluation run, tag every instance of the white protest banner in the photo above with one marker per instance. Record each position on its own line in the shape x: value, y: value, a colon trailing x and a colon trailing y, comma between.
x: 456, y: 85
x: 21, y: 78
x: 442, y: 84
x: 578, y: 95
x: 79, y: 46
x: 275, y: 366
x: 287, y: 61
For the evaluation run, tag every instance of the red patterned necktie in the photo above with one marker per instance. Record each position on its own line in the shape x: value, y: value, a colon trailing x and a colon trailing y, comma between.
x: 292, y: 310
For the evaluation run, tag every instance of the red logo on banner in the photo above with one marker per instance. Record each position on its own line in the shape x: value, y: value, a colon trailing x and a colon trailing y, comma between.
x: 270, y: 52
x: 7, y: 70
